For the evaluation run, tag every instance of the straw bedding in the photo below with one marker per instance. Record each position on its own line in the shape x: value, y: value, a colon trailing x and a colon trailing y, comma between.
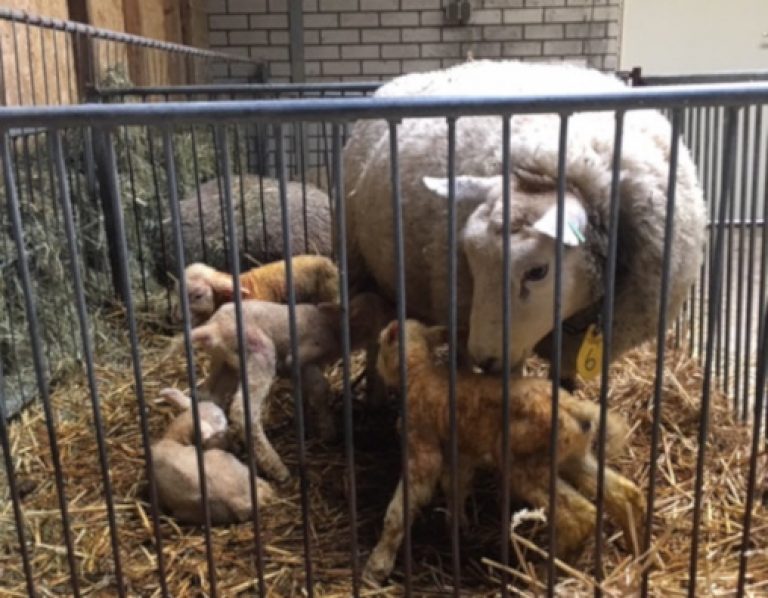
x: 377, y: 469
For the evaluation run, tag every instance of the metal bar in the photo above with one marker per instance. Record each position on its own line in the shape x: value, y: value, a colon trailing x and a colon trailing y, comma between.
x: 607, y: 330
x: 30, y: 306
x: 248, y: 88
x: 397, y: 230
x: 82, y: 315
x: 296, y: 38
x: 346, y: 344
x: 10, y: 14
x: 388, y: 108
x: 752, y: 477
x: 234, y: 260
x: 456, y: 506
x: 722, y: 77
x: 557, y: 354
x: 295, y: 364
x: 661, y: 331
x: 715, y: 289
x: 506, y: 292
x: 178, y: 241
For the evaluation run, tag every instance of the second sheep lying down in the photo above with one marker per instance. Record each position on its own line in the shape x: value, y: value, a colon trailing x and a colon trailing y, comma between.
x: 479, y: 435
x: 319, y: 345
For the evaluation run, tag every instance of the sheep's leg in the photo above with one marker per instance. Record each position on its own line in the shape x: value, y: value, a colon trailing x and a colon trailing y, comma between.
x: 264, y: 453
x: 424, y: 470
x: 574, y: 513
x: 221, y: 382
x: 465, y: 472
x: 624, y: 502
x: 317, y: 394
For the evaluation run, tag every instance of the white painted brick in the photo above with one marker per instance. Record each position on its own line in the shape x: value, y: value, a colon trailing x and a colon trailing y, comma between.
x: 217, y: 38
x: 595, y: 61
x: 310, y: 6
x: 225, y: 22
x: 338, y: 5
x: 213, y: 7
x: 606, y: 13
x: 322, y: 52
x: 416, y: 66
x: 239, y: 50
x: 422, y: 34
x: 341, y: 67
x: 318, y: 21
x: 585, y: 30
x: 543, y: 32
x: 311, y: 37
x: 381, y: 67
x: 247, y: 6
x: 502, y: 32
x: 278, y: 6
x: 448, y: 62
x: 272, y: 52
x: 562, y: 47
x: 440, y: 50
x: 422, y: 4
x: 269, y: 21
x: 432, y: 17
x: 248, y: 38
x: 485, y: 17
x: 535, y: 3
x: 482, y: 49
x: 379, y: 4
x: 400, y: 51
x: 523, y: 15
x: 566, y: 15
x: 373, y: 36
x: 503, y: 3
x: 340, y: 36
x: 516, y: 49
x: 610, y: 62
x: 461, y: 34
x: 613, y: 30
x: 600, y: 46
x: 359, y: 19
x: 278, y: 37
x: 312, y: 68
x: 281, y: 69
x: 399, y: 19
x: 586, y: 2
x: 360, y: 52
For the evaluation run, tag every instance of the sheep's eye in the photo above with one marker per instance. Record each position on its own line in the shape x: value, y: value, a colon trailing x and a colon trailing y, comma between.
x: 537, y: 273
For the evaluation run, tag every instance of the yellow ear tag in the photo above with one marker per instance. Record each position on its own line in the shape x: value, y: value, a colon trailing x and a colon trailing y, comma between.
x: 590, y: 359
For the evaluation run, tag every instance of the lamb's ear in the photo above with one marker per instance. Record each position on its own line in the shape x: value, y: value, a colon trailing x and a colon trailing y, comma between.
x: 574, y: 226
x: 223, y: 285
x: 392, y: 331
x: 472, y: 189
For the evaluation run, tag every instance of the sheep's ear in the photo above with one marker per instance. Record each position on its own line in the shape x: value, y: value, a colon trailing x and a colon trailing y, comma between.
x: 178, y: 398
x: 436, y: 335
x: 206, y: 430
x: 468, y: 188
x: 392, y: 331
x: 222, y: 284
x: 575, y: 223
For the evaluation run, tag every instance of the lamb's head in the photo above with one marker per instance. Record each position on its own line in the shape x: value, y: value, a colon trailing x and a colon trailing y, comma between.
x: 213, y: 421
x: 532, y: 246
x: 207, y: 289
x: 420, y: 342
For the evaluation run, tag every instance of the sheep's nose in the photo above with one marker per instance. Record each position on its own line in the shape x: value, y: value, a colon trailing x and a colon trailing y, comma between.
x: 489, y: 365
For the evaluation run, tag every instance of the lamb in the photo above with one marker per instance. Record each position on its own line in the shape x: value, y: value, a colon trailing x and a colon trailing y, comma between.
x: 479, y: 433
x: 319, y: 345
x: 315, y: 280
x: 422, y: 147
x: 176, y: 473
x: 260, y: 237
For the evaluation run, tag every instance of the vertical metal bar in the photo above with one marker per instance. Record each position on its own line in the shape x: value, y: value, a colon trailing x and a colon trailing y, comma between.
x: 762, y: 364
x: 221, y: 136
x: 669, y: 231
x: 13, y: 490
x: 506, y: 292
x: 558, y: 350
x: 397, y: 229
x: 607, y: 329
x: 173, y: 202
x: 295, y: 364
x: 133, y: 336
x: 717, y: 175
x: 456, y: 505
x: 303, y: 169
x: 82, y: 315
x: 296, y: 37
x: 715, y: 288
x: 30, y: 306
x: 346, y: 345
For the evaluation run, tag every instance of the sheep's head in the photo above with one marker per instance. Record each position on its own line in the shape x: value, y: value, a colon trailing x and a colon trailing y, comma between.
x: 207, y: 289
x: 213, y: 422
x: 532, y: 245
x: 420, y: 342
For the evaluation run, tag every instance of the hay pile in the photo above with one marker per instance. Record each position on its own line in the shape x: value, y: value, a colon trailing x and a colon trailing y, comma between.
x: 377, y: 469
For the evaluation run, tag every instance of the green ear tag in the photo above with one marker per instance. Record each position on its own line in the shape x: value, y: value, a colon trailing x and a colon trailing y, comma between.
x: 576, y: 232
x: 590, y: 357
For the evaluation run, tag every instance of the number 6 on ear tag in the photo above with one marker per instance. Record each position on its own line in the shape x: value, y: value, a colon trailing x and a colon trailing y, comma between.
x: 590, y: 358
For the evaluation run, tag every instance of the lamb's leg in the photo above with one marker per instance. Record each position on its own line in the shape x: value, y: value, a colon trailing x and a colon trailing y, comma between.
x: 424, y: 468
x: 624, y: 501
x: 264, y: 453
x: 574, y: 513
x: 317, y: 393
x: 465, y: 472
x: 221, y: 383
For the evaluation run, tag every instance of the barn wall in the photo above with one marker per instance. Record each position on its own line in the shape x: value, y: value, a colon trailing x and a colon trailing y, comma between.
x: 377, y: 39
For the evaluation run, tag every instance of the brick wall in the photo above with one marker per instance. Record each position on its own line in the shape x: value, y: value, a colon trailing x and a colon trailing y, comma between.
x: 377, y: 39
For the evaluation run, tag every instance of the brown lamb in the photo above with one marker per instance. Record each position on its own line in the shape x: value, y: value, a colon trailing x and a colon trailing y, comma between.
x: 315, y: 280
x: 176, y: 472
x: 479, y: 434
